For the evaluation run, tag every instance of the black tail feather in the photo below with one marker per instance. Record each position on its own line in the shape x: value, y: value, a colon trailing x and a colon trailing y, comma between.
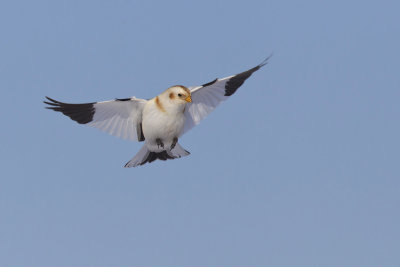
x: 152, y: 156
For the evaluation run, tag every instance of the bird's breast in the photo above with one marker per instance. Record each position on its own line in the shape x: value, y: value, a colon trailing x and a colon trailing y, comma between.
x: 161, y: 124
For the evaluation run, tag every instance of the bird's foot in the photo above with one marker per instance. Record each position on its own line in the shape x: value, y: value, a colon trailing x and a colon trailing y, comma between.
x: 159, y: 143
x: 174, y: 141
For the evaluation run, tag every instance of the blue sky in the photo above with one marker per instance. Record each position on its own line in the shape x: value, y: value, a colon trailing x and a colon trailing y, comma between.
x: 299, y: 168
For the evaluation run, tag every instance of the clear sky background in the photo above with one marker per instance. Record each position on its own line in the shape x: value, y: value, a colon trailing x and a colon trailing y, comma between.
x: 299, y: 168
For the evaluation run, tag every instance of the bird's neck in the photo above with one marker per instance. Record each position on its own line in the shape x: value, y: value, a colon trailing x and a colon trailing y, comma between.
x: 169, y: 106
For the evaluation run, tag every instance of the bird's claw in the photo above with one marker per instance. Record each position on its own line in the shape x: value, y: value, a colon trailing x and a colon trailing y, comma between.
x: 159, y: 143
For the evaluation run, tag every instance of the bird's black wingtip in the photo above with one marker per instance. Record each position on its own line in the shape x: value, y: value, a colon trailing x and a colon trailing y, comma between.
x: 50, y: 101
x: 265, y: 61
x: 81, y: 113
x: 52, y: 104
x: 237, y: 80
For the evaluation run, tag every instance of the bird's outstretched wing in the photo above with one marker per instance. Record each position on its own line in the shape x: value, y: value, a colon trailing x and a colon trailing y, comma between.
x: 207, y: 97
x: 119, y: 117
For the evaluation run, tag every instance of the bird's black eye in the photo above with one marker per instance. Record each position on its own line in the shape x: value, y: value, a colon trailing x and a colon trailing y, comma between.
x: 180, y: 95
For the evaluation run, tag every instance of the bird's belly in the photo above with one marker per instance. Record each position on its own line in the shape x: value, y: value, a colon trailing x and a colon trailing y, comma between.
x: 165, y: 127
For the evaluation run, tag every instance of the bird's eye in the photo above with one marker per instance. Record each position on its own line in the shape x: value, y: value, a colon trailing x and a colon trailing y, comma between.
x: 180, y: 95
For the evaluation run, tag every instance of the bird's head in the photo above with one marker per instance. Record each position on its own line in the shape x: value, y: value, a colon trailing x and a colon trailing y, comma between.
x: 179, y: 94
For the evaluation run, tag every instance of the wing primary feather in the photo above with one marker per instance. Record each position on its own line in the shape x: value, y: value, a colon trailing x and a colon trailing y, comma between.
x: 81, y: 113
x: 113, y: 129
x: 237, y: 80
x: 265, y: 61
x: 208, y: 96
x: 125, y: 128
x: 108, y: 125
x: 209, y: 101
x: 118, y: 125
x: 119, y: 117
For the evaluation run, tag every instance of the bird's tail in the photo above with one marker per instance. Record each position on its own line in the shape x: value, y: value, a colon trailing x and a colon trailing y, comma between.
x: 144, y: 155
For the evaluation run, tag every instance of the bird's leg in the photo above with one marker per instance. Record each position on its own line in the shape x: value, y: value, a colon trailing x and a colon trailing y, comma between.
x: 159, y: 143
x: 174, y: 141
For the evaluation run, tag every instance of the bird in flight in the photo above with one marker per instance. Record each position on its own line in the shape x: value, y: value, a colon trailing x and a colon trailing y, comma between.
x: 160, y: 121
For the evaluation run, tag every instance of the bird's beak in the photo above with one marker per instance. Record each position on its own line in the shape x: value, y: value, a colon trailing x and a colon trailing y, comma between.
x: 188, y: 99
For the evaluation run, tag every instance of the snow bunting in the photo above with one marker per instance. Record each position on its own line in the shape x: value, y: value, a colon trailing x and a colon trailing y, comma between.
x: 160, y: 121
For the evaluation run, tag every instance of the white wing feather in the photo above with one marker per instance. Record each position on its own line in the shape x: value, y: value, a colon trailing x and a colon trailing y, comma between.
x: 123, y: 117
x: 120, y: 117
x: 207, y: 97
x: 204, y: 101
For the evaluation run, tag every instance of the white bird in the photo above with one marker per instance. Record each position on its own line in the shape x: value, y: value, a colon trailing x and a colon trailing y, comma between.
x: 160, y: 121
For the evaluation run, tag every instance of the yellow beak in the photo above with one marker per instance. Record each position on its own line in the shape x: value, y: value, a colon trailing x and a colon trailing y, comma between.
x: 188, y: 99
